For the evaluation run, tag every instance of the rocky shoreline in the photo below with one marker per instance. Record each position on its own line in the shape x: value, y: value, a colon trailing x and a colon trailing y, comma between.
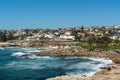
x: 106, y: 74
x: 112, y: 72
x: 113, y: 56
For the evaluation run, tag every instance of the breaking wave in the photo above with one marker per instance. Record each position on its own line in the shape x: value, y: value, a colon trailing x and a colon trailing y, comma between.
x: 29, y: 55
x: 19, y: 54
x: 1, y: 48
x: 23, y: 60
x: 88, y: 67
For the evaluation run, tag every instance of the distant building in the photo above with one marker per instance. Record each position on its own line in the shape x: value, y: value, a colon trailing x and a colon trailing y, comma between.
x: 67, y: 33
x: 50, y: 36
x: 81, y: 34
x: 32, y: 38
x: 116, y: 35
x: 65, y: 37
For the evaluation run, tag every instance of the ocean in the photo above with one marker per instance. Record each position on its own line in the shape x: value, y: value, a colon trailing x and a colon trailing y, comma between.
x: 22, y: 64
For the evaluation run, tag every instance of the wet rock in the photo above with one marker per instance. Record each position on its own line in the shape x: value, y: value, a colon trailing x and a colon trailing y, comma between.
x: 103, y: 67
x: 109, y: 68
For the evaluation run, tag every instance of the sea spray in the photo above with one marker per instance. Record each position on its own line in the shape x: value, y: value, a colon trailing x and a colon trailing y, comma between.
x: 22, y: 64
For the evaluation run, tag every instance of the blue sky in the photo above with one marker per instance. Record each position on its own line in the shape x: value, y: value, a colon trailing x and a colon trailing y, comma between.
x: 15, y: 14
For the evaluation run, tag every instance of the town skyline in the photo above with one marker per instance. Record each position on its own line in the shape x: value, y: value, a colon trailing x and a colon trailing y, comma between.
x: 57, y: 28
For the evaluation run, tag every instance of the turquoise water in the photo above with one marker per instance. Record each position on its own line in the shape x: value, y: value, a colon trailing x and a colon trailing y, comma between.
x: 21, y: 64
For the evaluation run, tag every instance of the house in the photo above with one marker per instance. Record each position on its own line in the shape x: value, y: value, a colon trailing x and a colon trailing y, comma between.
x: 116, y: 35
x: 97, y: 34
x: 32, y: 38
x: 56, y: 33
x: 67, y: 37
x: 67, y: 33
x: 50, y: 36
x: 116, y: 27
x: 81, y: 34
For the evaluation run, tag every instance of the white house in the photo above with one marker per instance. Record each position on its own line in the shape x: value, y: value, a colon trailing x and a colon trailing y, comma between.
x: 29, y: 38
x: 51, y: 36
x: 67, y: 33
x: 116, y: 27
x: 116, y: 36
x: 67, y: 37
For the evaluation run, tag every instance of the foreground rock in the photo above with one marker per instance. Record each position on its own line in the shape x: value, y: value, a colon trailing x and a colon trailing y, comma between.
x: 112, y: 74
x: 66, y: 77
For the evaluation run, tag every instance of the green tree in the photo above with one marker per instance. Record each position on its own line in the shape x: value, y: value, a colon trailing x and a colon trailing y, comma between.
x: 3, y: 36
x: 75, y: 33
x: 10, y: 36
x: 92, y: 40
x: 103, y: 40
x: 82, y: 28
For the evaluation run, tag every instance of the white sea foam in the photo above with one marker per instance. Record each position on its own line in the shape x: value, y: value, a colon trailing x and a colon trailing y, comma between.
x: 24, y: 65
x: 1, y: 48
x: 71, y: 57
x: 102, y: 60
x: 34, y: 51
x: 92, y: 66
x: 14, y: 63
x: 95, y: 65
x: 29, y: 55
x: 41, y: 57
x: 32, y: 56
x: 79, y: 73
x: 19, y: 54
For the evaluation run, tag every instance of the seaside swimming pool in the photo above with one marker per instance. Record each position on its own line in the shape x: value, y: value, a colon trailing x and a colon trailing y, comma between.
x: 21, y: 64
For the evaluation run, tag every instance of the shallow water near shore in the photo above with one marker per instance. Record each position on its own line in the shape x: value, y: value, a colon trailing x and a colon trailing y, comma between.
x: 21, y: 64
